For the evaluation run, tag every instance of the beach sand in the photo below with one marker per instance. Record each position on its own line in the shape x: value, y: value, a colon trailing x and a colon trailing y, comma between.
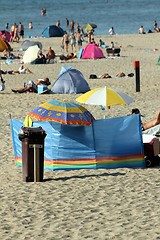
x: 85, y: 204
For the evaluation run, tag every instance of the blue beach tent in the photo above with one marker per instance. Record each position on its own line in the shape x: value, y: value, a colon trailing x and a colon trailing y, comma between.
x: 70, y: 81
x: 53, y: 31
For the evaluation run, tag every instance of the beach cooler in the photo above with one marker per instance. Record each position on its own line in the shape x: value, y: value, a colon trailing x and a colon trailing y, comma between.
x: 42, y: 88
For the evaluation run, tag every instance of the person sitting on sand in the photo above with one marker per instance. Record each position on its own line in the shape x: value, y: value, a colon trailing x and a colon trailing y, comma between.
x: 21, y: 70
x: 31, y: 86
x: 101, y: 43
x: 50, y: 55
x: 141, y: 30
x: 41, y: 59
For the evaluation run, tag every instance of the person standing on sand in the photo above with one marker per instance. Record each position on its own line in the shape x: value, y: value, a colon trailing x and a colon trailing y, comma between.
x: 71, y: 26
x: 12, y: 32
x: 16, y: 34
x: 79, y: 39
x: 73, y: 42
x: 65, y: 41
x: 90, y: 35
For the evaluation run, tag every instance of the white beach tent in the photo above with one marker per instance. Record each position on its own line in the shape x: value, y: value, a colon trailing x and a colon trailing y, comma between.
x: 31, y: 54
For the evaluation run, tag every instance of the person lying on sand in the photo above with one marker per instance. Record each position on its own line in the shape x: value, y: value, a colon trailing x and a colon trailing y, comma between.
x: 120, y: 74
x: 154, y: 122
x: 8, y: 55
x: 21, y: 70
x: 67, y: 57
x: 31, y: 86
x: 104, y: 75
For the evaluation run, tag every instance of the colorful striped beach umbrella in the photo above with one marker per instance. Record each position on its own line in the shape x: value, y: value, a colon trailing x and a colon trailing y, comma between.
x: 63, y: 112
x: 105, y: 97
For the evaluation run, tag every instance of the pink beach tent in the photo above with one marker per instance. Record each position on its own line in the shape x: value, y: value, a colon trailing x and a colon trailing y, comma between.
x: 92, y: 51
x: 7, y: 35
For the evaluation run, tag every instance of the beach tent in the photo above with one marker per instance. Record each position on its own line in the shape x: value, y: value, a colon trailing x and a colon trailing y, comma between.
x: 53, y: 31
x: 27, y: 43
x: 7, y: 34
x: 70, y: 80
x: 92, y: 51
x: 106, y: 143
x: 31, y: 54
x: 4, y: 45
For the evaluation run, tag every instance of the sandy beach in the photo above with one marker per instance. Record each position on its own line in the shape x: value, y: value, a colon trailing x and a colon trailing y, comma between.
x: 85, y: 204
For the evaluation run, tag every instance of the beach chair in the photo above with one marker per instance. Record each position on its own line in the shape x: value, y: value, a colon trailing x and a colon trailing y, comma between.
x: 113, y: 52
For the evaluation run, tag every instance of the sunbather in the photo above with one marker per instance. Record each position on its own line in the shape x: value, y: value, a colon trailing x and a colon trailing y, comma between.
x: 31, y: 86
x: 8, y: 55
x: 104, y: 75
x: 149, y: 124
x: 67, y: 57
x: 21, y: 70
x: 120, y: 74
